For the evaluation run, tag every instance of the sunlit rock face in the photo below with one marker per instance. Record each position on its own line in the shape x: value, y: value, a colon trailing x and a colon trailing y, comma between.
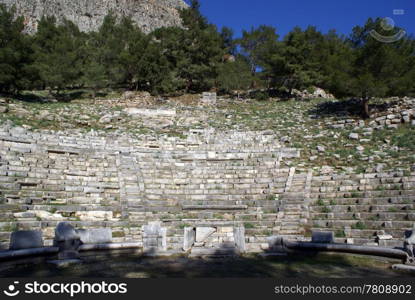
x: 89, y: 14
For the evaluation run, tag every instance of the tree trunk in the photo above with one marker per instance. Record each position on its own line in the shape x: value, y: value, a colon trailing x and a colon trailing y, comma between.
x: 366, y: 110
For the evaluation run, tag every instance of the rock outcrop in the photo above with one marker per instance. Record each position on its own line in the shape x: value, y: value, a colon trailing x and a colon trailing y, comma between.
x: 89, y: 14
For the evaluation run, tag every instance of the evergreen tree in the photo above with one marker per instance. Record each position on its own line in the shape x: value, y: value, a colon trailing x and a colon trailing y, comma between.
x: 229, y: 44
x: 234, y: 76
x: 379, y: 68
x: 194, y: 53
x: 57, y: 55
x: 15, y: 53
x: 302, y: 57
x: 93, y: 71
x: 257, y: 45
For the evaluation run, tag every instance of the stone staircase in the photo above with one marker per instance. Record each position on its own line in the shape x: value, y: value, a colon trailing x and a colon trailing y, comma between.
x: 294, y: 205
x: 220, y: 180
x: 359, y: 207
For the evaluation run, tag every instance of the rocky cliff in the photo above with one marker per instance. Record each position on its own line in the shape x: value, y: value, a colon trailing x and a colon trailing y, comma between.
x: 89, y: 14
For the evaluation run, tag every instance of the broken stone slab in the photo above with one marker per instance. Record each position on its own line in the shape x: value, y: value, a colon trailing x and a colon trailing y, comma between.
x: 322, y: 237
x: 150, y: 112
x: 95, y: 235
x: 354, y: 136
x: 202, y: 233
x: 26, y: 239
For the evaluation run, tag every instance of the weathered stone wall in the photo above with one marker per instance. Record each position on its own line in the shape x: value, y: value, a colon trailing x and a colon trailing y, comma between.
x: 89, y: 14
x: 211, y: 180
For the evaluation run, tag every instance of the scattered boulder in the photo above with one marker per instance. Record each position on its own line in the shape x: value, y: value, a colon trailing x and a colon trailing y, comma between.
x: 45, y: 115
x: 354, y: 136
x: 21, y: 112
x: 131, y: 95
x: 209, y: 98
x: 105, y: 119
x: 321, y: 149
x: 314, y: 92
x: 3, y: 109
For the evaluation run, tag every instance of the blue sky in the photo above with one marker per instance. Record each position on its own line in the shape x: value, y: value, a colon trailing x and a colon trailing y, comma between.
x: 341, y: 15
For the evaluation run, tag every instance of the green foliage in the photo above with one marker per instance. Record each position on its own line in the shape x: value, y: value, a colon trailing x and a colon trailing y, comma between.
x: 249, y: 225
x: 359, y: 225
x: 15, y: 52
x: 302, y: 56
x: 320, y: 202
x: 234, y: 76
x: 261, y: 96
x: 340, y: 234
x: 198, y: 57
x: 57, y: 53
x: 404, y: 137
x: 325, y: 210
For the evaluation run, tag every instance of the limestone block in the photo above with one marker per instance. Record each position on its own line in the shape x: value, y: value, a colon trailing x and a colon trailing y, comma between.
x: 322, y: 237
x: 150, y: 113
x: 45, y: 215
x: 189, y: 238
x: 239, y: 238
x: 202, y: 233
x: 26, y: 239
x: 94, y: 215
x: 95, y: 236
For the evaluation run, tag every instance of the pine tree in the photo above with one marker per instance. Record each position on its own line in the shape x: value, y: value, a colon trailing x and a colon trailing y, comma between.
x: 379, y: 68
x: 57, y: 55
x: 257, y: 45
x: 15, y: 53
x: 234, y: 76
